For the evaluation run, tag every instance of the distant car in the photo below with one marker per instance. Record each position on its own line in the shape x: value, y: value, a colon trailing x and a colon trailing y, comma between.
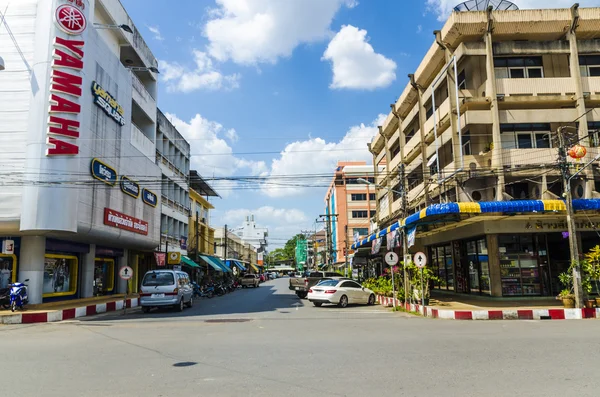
x: 341, y: 292
x: 250, y: 280
x: 262, y: 278
x: 166, y: 288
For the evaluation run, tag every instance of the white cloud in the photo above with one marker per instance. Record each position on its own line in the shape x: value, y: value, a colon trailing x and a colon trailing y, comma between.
x: 232, y: 135
x: 154, y: 30
x: 419, y: 28
x: 203, y: 76
x: 255, y: 31
x: 317, y: 156
x: 355, y: 63
x: 211, y: 154
x: 443, y: 8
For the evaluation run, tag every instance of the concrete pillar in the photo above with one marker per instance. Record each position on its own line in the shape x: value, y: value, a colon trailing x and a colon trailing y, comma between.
x: 497, y: 163
x: 31, y: 266
x: 494, y: 263
x: 122, y: 284
x: 87, y: 272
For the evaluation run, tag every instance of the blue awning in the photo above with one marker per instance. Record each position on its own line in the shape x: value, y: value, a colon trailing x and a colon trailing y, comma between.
x: 211, y: 263
x: 221, y: 264
x: 231, y: 262
x: 483, y: 207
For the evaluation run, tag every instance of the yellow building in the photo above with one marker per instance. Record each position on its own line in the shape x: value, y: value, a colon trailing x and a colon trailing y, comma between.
x: 202, y: 241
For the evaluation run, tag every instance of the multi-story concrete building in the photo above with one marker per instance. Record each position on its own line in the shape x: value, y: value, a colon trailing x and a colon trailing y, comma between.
x: 472, y: 145
x: 203, y: 240
x: 250, y: 233
x: 173, y: 158
x: 234, y: 249
x: 77, y: 141
x: 350, y: 203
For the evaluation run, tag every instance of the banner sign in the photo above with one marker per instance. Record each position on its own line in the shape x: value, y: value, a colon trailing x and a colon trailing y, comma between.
x: 130, y: 187
x: 121, y: 221
x: 411, y: 236
x: 376, y: 246
x: 160, y: 258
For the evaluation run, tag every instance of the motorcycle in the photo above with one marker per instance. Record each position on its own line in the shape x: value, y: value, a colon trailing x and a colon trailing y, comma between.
x: 18, y: 296
x: 207, y: 291
x: 220, y: 289
x: 5, y: 297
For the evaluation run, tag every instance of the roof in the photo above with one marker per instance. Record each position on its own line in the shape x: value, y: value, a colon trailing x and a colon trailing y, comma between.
x: 201, y: 186
x: 507, y: 207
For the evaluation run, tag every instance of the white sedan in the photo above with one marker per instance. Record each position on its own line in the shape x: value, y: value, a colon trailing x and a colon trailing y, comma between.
x: 340, y: 292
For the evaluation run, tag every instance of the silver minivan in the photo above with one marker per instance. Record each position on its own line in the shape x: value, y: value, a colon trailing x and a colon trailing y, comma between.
x: 166, y: 288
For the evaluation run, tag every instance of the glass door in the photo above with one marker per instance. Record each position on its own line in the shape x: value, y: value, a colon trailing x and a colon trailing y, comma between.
x: 473, y: 266
x: 519, y: 270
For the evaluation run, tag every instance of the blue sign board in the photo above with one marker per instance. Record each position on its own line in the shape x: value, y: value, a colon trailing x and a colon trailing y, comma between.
x: 149, y: 197
x: 130, y: 187
x: 103, y: 172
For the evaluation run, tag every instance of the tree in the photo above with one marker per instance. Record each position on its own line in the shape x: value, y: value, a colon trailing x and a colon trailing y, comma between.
x: 290, y: 246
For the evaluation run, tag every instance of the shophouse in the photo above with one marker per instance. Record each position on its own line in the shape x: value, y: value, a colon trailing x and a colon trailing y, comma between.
x: 77, y: 148
x: 349, y: 205
x: 239, y: 254
x: 472, y: 146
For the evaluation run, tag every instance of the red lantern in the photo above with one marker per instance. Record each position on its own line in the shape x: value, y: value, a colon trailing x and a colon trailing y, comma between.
x: 577, y: 152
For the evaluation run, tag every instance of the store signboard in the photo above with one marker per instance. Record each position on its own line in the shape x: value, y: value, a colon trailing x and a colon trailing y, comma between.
x: 104, y: 172
x: 149, y: 197
x: 174, y: 258
x: 8, y: 247
x: 129, y: 187
x: 108, y: 103
x: 121, y: 221
x: 160, y: 258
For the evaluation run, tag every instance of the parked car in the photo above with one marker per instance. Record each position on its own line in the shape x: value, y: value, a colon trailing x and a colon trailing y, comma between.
x: 301, y: 285
x: 250, y: 280
x: 162, y: 288
x: 341, y: 292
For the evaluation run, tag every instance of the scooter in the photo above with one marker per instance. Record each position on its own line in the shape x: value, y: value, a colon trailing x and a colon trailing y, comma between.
x: 5, y: 298
x: 18, y: 296
x: 208, y: 291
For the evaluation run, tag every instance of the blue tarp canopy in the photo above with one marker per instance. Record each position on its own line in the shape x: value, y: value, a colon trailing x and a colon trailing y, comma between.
x: 210, y: 260
x: 482, y: 207
x: 231, y: 262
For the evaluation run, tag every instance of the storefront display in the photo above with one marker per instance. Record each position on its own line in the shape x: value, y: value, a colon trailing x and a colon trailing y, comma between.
x: 104, y: 276
x: 478, y: 266
x: 519, y: 269
x: 8, y: 267
x: 443, y: 265
x: 60, y: 275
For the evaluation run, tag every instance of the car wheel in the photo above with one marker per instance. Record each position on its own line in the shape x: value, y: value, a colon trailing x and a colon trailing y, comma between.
x: 371, y: 301
x: 180, y: 306
x: 302, y: 295
x: 343, y: 301
x: 318, y: 304
x: 191, y: 302
x: 146, y: 309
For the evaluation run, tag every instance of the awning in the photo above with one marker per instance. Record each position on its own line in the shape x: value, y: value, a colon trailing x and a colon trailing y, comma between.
x: 212, y: 263
x: 187, y: 261
x: 221, y: 264
x: 254, y: 267
x: 231, y: 262
x: 483, y: 207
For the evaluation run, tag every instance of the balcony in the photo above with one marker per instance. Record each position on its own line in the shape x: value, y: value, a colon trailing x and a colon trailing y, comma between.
x: 168, y: 168
x: 141, y: 142
x: 558, y: 86
x: 516, y: 158
x: 591, y: 85
x: 143, y: 98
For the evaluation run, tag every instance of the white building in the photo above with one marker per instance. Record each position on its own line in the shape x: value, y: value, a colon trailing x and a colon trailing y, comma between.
x: 77, y: 147
x: 250, y: 233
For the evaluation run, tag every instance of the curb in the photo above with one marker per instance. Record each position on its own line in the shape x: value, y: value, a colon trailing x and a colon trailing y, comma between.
x: 66, y: 314
x: 506, y: 314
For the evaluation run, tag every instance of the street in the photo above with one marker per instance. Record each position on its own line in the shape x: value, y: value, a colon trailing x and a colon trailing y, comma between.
x: 260, y: 342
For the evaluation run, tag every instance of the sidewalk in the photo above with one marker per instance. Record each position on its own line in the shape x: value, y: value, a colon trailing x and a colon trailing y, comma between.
x: 65, y: 310
x: 465, y: 307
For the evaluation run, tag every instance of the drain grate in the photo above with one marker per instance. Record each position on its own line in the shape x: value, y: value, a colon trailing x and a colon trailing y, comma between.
x: 228, y: 320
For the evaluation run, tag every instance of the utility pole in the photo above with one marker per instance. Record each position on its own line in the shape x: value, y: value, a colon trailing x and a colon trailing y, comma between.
x: 225, y: 244
x: 197, y: 237
x: 329, y: 248
x: 573, y: 246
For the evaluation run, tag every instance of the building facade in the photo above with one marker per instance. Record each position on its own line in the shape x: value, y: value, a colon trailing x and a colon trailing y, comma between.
x: 201, y: 234
x: 173, y: 158
x: 350, y: 203
x: 470, y: 150
x: 77, y: 143
x: 236, y: 249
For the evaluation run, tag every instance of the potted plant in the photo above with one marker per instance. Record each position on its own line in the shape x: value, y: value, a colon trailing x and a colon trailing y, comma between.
x: 592, y: 266
x: 415, y: 282
x: 567, y: 298
x: 566, y: 295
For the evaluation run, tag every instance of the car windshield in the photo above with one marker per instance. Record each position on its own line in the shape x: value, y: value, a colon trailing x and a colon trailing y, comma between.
x: 157, y: 279
x: 328, y: 283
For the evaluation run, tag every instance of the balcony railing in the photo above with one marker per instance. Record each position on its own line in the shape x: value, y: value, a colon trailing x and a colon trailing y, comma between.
x: 162, y: 159
x: 536, y: 86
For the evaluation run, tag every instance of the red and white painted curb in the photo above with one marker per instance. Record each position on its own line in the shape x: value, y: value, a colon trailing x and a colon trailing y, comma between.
x: 504, y: 314
x: 66, y: 314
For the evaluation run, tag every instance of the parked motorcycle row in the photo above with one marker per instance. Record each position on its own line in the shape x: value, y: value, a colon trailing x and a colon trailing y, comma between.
x: 212, y: 289
x: 14, y: 296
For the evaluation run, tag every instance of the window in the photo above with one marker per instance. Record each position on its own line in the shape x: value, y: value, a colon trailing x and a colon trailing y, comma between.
x: 60, y: 275
x: 518, y: 68
x: 372, y: 196
x: 372, y: 213
x: 328, y: 283
x: 360, y: 214
x: 409, y: 135
x: 589, y: 65
x: 350, y: 284
x: 362, y: 231
x: 359, y: 196
x: 462, y: 80
x: 157, y: 279
x: 594, y: 133
x: 525, y: 136
x: 332, y: 274
x: 428, y: 110
x: 395, y: 149
x: 466, y: 143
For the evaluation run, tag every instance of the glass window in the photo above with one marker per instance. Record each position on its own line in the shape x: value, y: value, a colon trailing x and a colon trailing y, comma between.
x: 516, y: 73
x: 360, y: 214
x: 466, y: 143
x: 372, y: 196
x: 359, y: 196
x: 594, y: 71
x: 8, y: 270
x: 473, y: 264
x: 158, y: 279
x: 524, y: 141
x: 104, y: 275
x: 362, y: 231
x: 409, y: 135
x: 542, y: 141
x: 534, y: 73
x: 518, y: 265
x: 60, y: 275
x: 462, y: 80
x: 484, y: 265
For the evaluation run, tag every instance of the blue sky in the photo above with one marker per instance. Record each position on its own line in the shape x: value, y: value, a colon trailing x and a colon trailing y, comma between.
x: 273, y: 88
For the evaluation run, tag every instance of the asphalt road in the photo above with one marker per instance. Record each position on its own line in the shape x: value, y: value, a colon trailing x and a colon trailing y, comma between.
x: 265, y: 342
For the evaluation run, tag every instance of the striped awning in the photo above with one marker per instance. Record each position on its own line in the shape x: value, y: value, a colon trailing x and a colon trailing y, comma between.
x: 482, y: 207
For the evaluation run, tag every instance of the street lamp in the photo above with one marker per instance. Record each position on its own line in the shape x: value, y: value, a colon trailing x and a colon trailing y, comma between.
x: 126, y: 28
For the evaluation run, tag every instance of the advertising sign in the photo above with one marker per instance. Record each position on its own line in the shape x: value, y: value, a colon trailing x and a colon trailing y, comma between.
x: 183, y: 242
x: 174, y: 258
x: 103, y: 172
x: 8, y: 247
x: 149, y: 197
x: 108, y: 103
x: 129, y: 187
x: 121, y: 221
x: 410, y: 236
x: 160, y: 258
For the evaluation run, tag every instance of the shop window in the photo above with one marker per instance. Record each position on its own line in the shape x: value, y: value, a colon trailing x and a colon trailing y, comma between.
x: 60, y: 275
x: 104, y: 276
x: 442, y: 261
x: 519, y: 269
x: 8, y: 270
x: 478, y: 266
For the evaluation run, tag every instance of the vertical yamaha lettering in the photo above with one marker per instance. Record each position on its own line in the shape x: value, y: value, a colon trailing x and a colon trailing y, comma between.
x: 391, y: 258
x: 125, y: 273
x: 420, y: 262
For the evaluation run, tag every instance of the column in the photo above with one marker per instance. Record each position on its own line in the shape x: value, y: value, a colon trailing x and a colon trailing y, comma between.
x: 123, y: 261
x: 422, y: 121
x: 494, y: 263
x: 31, y: 266
x: 87, y: 272
x: 497, y: 164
